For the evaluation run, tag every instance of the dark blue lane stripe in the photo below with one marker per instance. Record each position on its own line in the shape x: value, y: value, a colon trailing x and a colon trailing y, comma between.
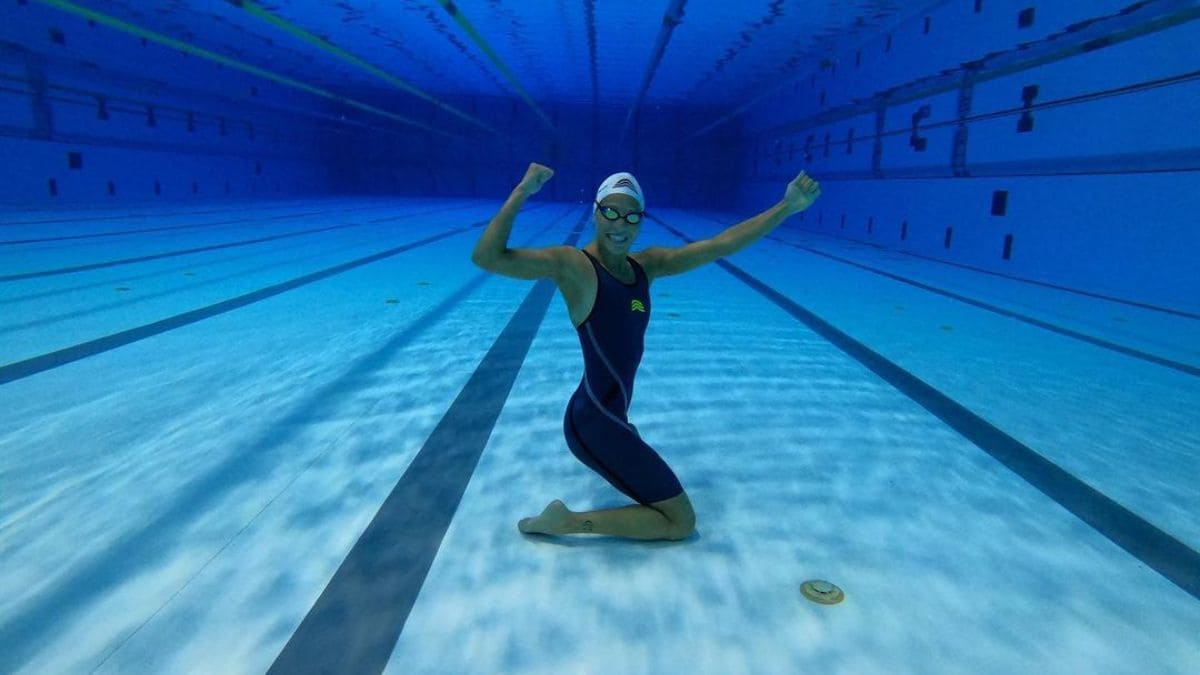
x: 1099, y: 342
x: 355, y: 623
x: 1158, y: 550
x: 146, y: 230
x: 24, y: 632
x: 125, y: 215
x: 200, y: 249
x: 1012, y: 277
x: 169, y: 254
x: 236, y: 221
x: 39, y: 364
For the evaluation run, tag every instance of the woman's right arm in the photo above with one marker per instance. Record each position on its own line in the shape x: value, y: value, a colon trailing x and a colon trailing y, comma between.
x: 492, y: 252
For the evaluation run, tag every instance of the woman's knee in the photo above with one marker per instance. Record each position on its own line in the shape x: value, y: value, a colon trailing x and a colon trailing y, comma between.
x: 679, y: 511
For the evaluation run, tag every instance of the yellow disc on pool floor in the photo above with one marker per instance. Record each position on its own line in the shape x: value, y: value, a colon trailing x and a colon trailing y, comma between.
x: 822, y: 592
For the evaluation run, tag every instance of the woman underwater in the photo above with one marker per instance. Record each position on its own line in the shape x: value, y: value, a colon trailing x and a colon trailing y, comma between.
x: 606, y: 289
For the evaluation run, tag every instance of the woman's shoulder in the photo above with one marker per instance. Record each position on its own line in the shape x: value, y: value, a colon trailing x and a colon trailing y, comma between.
x: 647, y: 259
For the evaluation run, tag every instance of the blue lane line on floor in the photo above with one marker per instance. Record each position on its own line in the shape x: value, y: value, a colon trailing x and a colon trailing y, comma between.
x: 355, y: 623
x: 201, y: 249
x: 146, y: 230
x: 168, y: 254
x: 1012, y: 277
x: 215, y: 223
x: 1099, y: 342
x: 123, y: 216
x: 128, y: 212
x: 33, y: 624
x: 1158, y: 550
x: 39, y: 364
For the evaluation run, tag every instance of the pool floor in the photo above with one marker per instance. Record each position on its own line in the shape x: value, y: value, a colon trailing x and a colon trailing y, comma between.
x: 297, y: 436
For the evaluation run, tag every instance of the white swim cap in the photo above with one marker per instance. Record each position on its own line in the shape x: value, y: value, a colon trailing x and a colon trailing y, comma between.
x: 623, y: 183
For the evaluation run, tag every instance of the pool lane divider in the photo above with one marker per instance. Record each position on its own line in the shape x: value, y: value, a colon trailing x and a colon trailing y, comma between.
x: 321, y: 43
x: 506, y: 72
x: 1160, y: 551
x: 172, y: 43
x: 202, y: 249
x: 672, y: 17
x: 355, y: 623
x: 1184, y: 368
x: 40, y: 364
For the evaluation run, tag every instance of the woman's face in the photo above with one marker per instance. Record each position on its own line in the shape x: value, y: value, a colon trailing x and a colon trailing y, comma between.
x: 617, y: 235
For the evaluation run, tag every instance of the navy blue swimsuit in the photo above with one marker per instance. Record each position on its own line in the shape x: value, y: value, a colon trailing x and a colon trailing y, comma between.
x: 596, y: 426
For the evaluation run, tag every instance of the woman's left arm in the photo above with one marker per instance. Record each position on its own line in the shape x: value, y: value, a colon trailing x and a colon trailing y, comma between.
x: 800, y: 194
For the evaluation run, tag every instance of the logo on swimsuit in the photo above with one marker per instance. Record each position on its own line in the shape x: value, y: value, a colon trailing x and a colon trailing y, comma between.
x: 636, y: 306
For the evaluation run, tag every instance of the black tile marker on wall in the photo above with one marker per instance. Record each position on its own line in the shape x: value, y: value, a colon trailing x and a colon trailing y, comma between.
x: 1028, y: 94
x: 999, y: 202
x: 915, y: 141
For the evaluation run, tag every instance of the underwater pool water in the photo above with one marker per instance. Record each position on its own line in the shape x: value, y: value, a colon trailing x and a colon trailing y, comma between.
x: 199, y: 486
x: 264, y: 414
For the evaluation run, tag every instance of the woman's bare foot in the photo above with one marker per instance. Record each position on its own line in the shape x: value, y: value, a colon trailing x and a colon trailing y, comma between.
x: 555, y: 519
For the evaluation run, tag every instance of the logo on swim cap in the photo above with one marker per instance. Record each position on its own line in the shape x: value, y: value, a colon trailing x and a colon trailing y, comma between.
x: 621, y: 183
x: 636, y: 305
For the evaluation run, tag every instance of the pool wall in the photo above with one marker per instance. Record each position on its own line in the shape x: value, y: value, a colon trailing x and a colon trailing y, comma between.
x: 1051, y: 142
x: 1054, y: 142
x: 103, y: 110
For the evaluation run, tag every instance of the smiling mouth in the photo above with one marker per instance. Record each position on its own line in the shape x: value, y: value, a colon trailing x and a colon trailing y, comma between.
x: 619, y: 239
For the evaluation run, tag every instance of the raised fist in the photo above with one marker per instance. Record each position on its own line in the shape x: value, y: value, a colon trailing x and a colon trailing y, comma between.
x: 802, y: 192
x: 535, y: 177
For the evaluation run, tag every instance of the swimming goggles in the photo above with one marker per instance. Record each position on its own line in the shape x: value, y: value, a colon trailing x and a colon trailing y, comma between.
x: 609, y: 213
